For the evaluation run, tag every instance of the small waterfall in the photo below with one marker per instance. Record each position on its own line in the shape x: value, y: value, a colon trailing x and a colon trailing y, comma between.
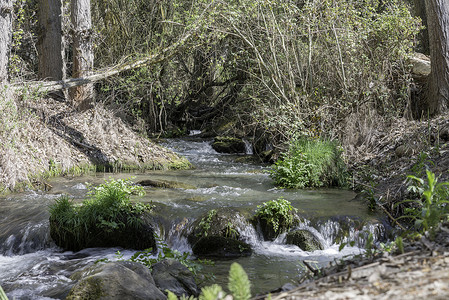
x: 351, y: 230
x: 28, y: 239
x: 248, y: 147
x: 194, y: 132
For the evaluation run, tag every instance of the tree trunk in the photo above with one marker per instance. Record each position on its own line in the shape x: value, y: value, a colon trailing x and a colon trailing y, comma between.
x: 6, y: 9
x: 419, y: 9
x: 49, y: 45
x: 83, y: 55
x: 438, y: 26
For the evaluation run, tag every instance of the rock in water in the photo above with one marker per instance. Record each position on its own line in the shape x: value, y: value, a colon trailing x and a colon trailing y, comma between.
x: 122, y: 280
x: 304, y: 239
x: 171, y: 275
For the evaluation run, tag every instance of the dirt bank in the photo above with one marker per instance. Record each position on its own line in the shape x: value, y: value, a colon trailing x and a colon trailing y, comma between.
x: 44, y: 137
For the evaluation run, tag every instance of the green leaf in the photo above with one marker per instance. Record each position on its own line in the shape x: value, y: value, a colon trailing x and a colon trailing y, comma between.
x: 239, y: 284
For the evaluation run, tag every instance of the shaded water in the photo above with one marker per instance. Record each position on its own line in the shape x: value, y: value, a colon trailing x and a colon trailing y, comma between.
x: 32, y: 267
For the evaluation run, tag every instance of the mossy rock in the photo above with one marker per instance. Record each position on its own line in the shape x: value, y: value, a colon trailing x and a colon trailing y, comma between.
x: 227, y: 144
x: 115, y: 280
x: 171, y: 275
x: 247, y: 159
x: 225, y: 222
x: 267, y: 229
x: 126, y: 236
x: 166, y: 184
x: 304, y: 239
x: 221, y: 247
x: 218, y: 233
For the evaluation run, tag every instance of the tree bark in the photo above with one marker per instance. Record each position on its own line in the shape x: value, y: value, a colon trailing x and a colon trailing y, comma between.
x: 6, y: 9
x: 83, y: 55
x: 438, y: 26
x: 419, y: 9
x: 49, y: 45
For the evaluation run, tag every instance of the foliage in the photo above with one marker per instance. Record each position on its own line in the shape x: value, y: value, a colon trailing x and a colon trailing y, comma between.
x: 3, y: 294
x: 278, y: 213
x: 107, y: 207
x: 290, y: 69
x: 431, y: 208
x: 310, y: 163
x: 239, y: 287
x: 147, y: 258
x: 239, y: 284
x: 206, y: 221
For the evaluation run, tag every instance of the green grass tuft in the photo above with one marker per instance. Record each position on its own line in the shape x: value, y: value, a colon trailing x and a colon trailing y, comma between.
x: 310, y: 164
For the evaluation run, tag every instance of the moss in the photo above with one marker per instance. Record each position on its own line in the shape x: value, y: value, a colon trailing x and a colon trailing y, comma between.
x: 87, y: 289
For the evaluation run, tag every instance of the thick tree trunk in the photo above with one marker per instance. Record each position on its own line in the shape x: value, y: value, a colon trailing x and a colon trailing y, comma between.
x: 83, y: 55
x: 438, y: 26
x: 49, y: 45
x: 6, y: 9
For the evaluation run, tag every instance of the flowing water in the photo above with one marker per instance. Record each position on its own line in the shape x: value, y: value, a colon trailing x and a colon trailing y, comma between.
x: 32, y: 267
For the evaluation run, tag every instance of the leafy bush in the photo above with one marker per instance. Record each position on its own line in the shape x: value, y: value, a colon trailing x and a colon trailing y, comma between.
x: 310, y: 163
x: 277, y: 213
x: 107, y: 207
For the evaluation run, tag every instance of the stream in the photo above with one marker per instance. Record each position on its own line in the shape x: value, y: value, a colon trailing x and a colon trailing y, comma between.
x: 33, y: 267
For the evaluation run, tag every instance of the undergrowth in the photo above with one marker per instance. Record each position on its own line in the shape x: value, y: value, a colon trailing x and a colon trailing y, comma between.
x: 309, y: 164
x: 430, y: 208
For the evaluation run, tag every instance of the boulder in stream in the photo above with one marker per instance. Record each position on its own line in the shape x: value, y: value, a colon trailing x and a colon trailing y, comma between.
x: 218, y: 233
x: 226, y: 144
x: 166, y: 184
x: 126, y: 236
x: 121, y: 280
x: 304, y: 239
x: 170, y: 274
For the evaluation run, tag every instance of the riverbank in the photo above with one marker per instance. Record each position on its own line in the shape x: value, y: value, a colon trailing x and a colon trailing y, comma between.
x: 419, y: 273
x: 44, y: 137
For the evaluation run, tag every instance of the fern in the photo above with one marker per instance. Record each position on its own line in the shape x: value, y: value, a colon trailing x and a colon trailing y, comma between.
x: 212, y: 292
x: 239, y: 284
x: 171, y: 296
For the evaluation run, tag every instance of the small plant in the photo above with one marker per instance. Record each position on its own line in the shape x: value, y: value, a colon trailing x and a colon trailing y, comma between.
x: 230, y: 231
x: 147, y: 258
x: 205, y: 222
x: 277, y: 213
x: 422, y: 163
x: 310, y: 163
x: 431, y: 209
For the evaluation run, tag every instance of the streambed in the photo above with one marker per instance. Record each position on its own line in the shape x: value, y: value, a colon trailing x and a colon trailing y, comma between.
x: 32, y: 267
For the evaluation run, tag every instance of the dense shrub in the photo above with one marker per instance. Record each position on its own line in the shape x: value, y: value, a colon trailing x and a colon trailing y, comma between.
x: 310, y: 163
